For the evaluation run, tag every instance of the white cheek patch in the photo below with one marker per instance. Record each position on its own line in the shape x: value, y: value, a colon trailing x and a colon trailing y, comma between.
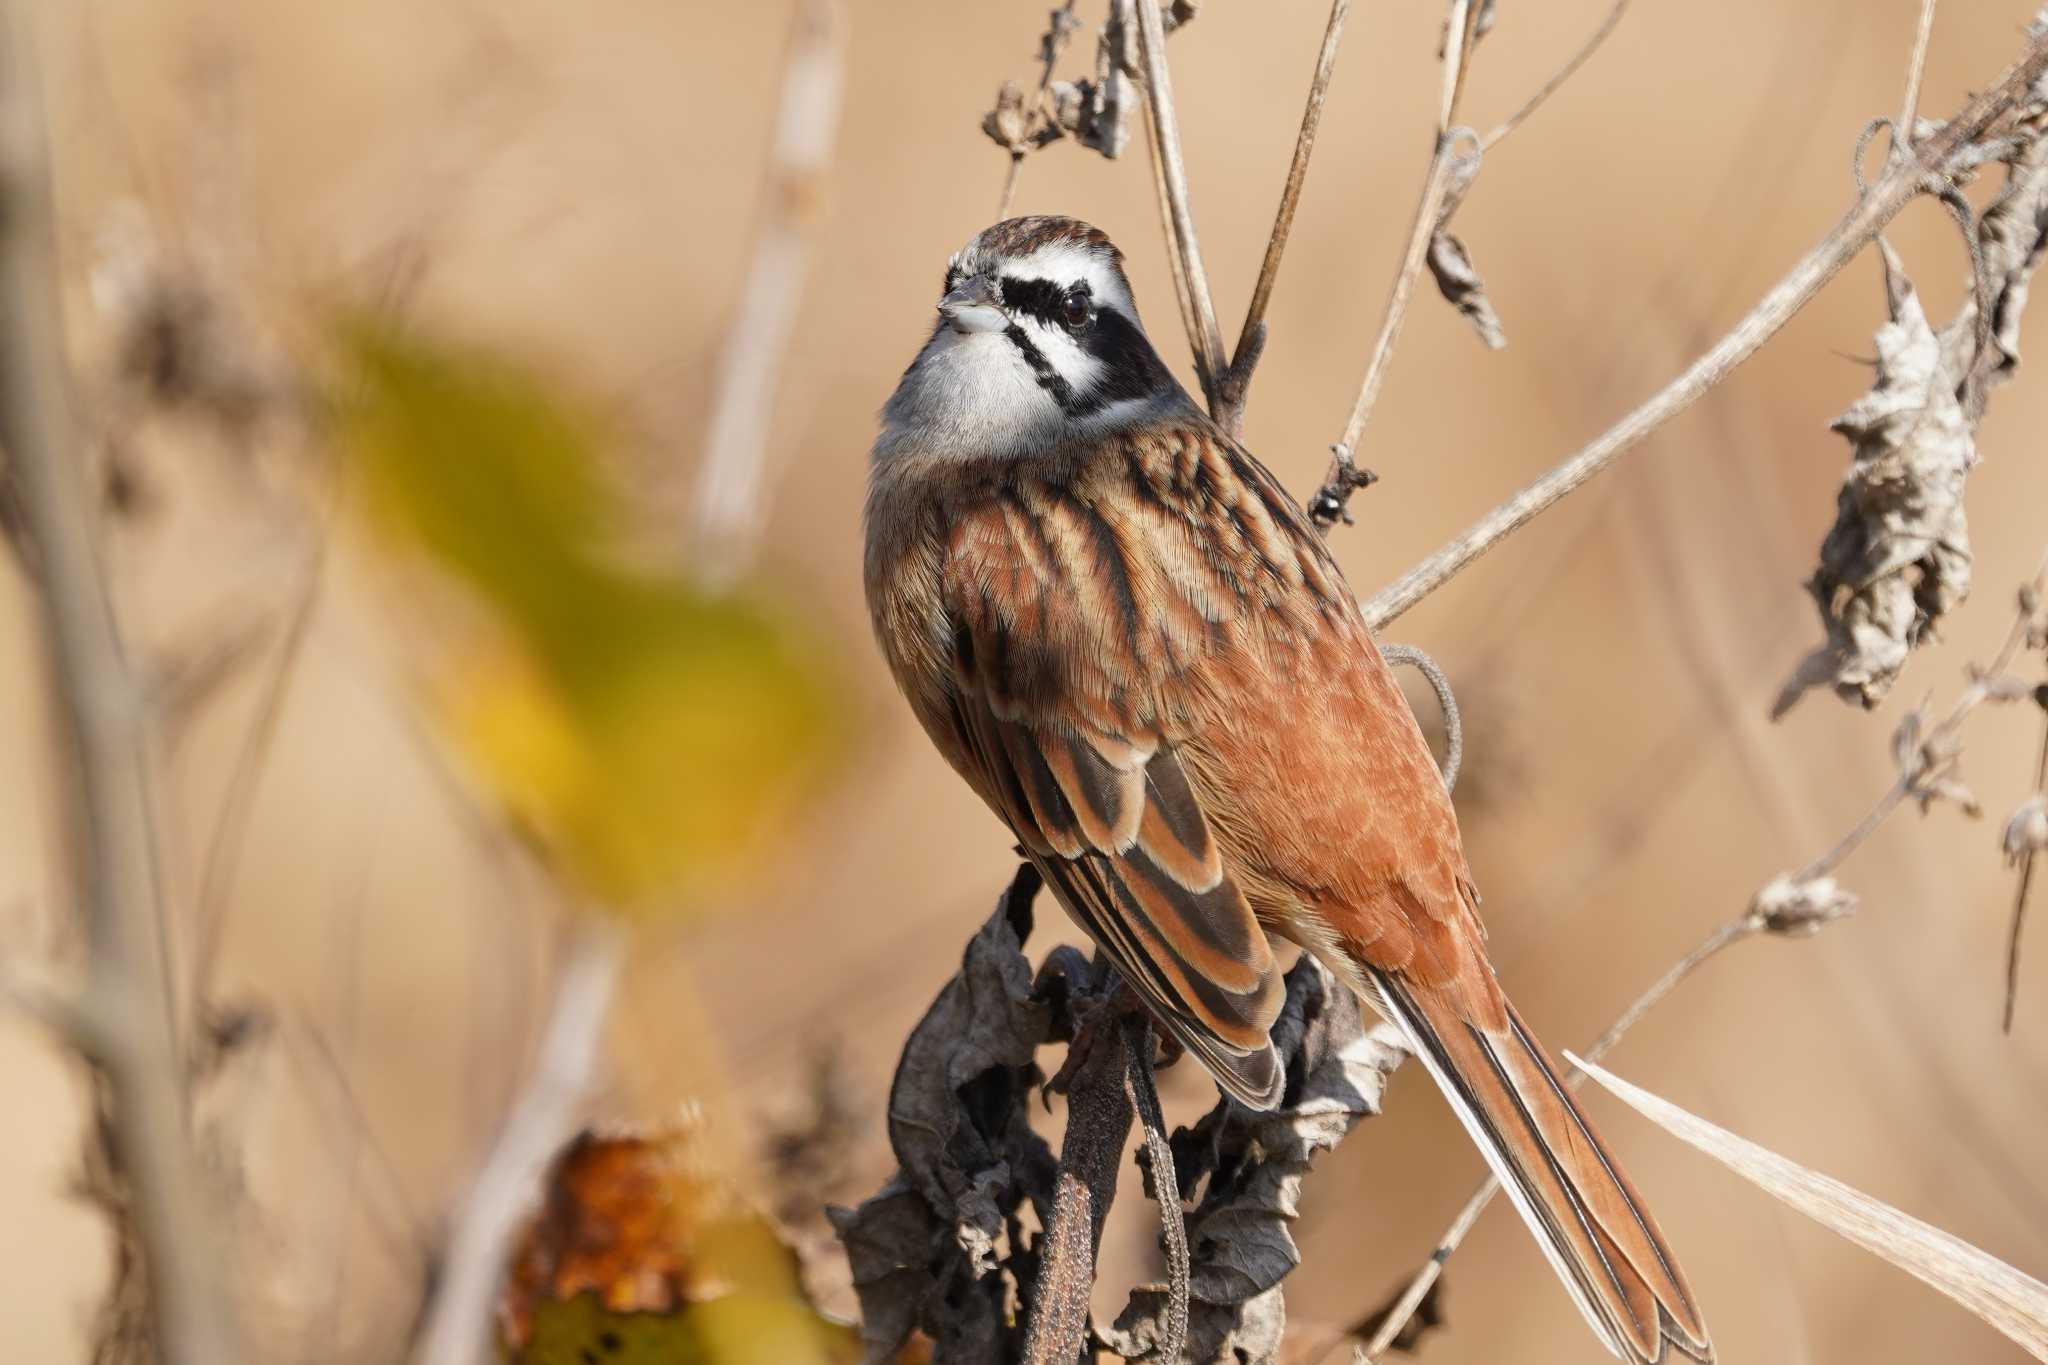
x: 1061, y: 350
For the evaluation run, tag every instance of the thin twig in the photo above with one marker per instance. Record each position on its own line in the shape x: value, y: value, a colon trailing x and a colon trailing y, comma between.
x: 1439, y: 683
x: 1899, y: 185
x: 1916, y: 70
x: 1459, y: 40
x: 1428, y: 213
x: 1144, y: 1095
x: 1429, y: 218
x: 458, y: 1327
x: 2019, y: 899
x: 1557, y: 79
x: 1251, y: 338
x: 231, y: 825
x: 734, y: 462
x: 125, y: 1010
x: 1206, y: 336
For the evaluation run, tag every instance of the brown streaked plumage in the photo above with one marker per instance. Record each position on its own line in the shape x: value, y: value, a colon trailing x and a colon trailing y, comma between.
x: 1127, y: 638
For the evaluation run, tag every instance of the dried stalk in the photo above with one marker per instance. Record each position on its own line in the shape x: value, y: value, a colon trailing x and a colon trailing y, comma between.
x: 1251, y: 339
x: 1180, y: 218
x: 458, y: 1326
x: 1901, y: 183
x: 729, y: 494
x: 1557, y: 79
x: 2026, y: 859
x: 1144, y: 1096
x: 122, y: 1018
x: 1916, y: 71
x: 1343, y: 475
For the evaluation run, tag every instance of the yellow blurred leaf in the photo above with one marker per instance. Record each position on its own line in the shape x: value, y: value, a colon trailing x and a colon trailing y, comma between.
x: 645, y: 732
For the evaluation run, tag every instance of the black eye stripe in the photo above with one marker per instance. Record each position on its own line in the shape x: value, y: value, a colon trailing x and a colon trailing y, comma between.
x: 1042, y: 299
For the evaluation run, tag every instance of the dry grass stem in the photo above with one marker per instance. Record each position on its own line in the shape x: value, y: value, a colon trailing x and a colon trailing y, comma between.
x: 1557, y: 79
x: 1428, y: 215
x: 1916, y: 72
x: 735, y: 456
x: 124, y: 1012
x: 1251, y: 338
x: 2025, y: 836
x: 1180, y: 219
x: 457, y: 1330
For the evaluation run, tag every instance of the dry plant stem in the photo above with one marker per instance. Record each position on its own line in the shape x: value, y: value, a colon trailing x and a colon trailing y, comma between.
x: 2019, y: 900
x: 1187, y: 249
x: 1176, y: 266
x: 1144, y: 1095
x: 1916, y: 70
x: 122, y: 1017
x: 1238, y: 378
x: 458, y: 1328
x: 231, y: 826
x: 1557, y: 79
x: 1899, y: 185
x: 1458, y: 40
x: 728, y: 500
x: 1098, y: 1121
x: 1427, y: 210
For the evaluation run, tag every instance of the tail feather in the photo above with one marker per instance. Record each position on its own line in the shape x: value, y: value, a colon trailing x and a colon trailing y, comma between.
x: 1584, y: 1213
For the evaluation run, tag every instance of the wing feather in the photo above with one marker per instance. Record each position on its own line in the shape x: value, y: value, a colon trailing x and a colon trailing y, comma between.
x: 1070, y: 754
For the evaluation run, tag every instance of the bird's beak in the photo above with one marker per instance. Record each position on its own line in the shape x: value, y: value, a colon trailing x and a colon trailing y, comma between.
x: 974, y: 307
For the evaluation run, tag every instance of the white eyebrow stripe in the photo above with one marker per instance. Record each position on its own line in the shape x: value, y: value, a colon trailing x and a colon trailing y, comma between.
x: 1070, y: 263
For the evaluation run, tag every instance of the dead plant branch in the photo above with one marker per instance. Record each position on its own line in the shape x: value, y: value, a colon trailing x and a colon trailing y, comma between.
x: 1916, y: 71
x: 1251, y: 338
x: 1180, y: 219
x: 735, y: 456
x: 457, y: 1329
x: 1557, y: 79
x: 124, y: 1012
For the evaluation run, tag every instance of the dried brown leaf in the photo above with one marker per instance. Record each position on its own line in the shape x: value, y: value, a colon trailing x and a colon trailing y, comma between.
x: 1898, y: 556
x: 1451, y: 264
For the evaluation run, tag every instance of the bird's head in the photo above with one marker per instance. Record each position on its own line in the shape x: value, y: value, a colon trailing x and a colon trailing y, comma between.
x: 1037, y: 341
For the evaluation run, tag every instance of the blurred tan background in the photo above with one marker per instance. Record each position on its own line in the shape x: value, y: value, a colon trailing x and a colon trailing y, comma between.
x: 577, y: 184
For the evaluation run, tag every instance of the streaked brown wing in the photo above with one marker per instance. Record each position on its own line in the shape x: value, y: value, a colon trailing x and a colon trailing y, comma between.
x: 1054, y: 722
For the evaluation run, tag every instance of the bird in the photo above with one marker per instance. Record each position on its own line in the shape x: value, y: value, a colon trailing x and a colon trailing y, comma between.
x: 1118, y: 627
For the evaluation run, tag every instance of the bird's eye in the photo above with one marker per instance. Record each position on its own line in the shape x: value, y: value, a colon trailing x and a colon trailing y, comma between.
x: 1075, y: 309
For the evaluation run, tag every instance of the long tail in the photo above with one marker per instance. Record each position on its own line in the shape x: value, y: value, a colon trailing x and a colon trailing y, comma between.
x: 1566, y: 1185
